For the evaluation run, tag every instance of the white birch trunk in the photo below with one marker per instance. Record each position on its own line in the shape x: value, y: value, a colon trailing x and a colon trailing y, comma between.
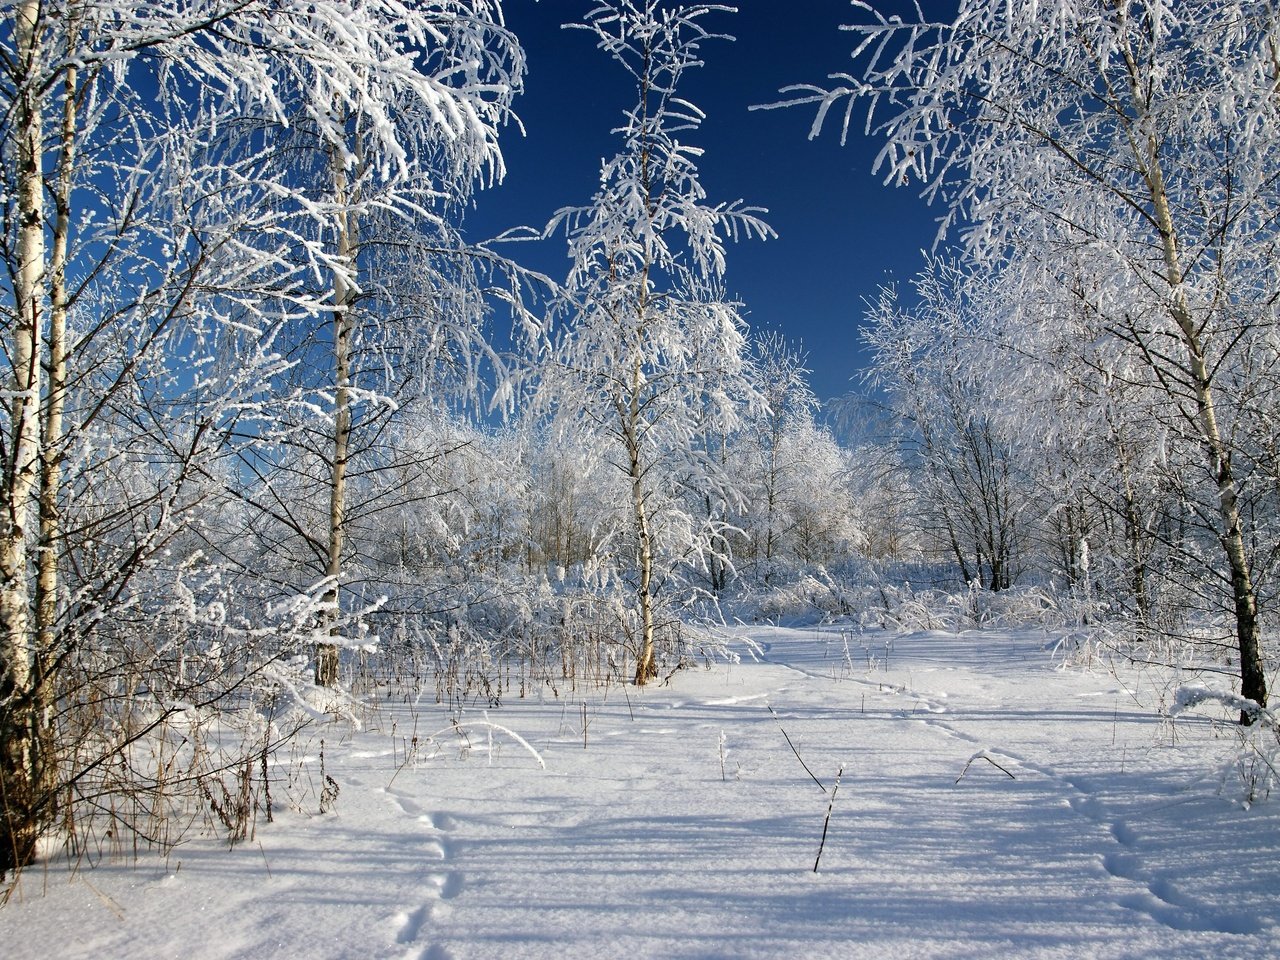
x: 646, y: 659
x: 51, y: 451
x: 327, y: 653
x: 1253, y: 683
x: 21, y: 472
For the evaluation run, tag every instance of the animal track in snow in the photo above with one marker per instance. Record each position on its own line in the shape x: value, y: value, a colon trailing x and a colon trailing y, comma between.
x: 434, y: 848
x: 1158, y: 898
x: 946, y: 729
x: 448, y: 884
x: 410, y: 924
x: 1162, y: 902
x: 409, y: 808
x: 437, y: 822
x: 436, y: 887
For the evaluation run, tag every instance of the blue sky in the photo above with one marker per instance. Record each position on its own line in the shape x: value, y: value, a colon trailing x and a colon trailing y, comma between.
x: 841, y: 233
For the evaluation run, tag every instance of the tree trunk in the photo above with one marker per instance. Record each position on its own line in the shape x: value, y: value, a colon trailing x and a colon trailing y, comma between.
x: 647, y: 661
x: 51, y: 457
x: 1253, y: 682
x: 18, y: 712
x: 343, y: 295
x: 1135, y: 537
x: 771, y: 510
x: 718, y: 567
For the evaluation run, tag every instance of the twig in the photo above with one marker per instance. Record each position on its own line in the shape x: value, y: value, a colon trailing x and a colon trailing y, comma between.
x: 795, y: 751
x: 264, y: 859
x: 827, y: 822
x: 983, y: 755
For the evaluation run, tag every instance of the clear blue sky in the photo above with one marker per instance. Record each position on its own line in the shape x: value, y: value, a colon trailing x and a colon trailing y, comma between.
x: 841, y: 233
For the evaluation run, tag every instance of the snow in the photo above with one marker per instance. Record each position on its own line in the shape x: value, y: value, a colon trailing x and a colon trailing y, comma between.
x: 680, y: 823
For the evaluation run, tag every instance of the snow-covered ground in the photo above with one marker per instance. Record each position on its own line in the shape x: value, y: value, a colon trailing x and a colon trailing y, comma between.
x: 680, y: 823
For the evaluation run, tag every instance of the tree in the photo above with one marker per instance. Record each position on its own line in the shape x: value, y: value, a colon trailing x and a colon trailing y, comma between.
x: 789, y: 407
x: 881, y: 488
x: 1085, y: 419
x: 971, y: 492
x: 1142, y: 132
x: 651, y: 347
x: 388, y: 158
x: 793, y: 509
x: 104, y: 262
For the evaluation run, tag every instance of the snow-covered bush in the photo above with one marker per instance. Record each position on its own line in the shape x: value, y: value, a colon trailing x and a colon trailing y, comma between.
x: 808, y: 598
x: 1252, y: 771
x: 169, y: 715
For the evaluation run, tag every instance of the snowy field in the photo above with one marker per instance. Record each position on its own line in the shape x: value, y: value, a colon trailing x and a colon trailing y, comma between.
x: 680, y: 823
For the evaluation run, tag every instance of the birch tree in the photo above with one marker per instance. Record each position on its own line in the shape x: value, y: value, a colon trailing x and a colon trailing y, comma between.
x: 650, y: 345
x: 1144, y: 132
x: 101, y: 272
x: 387, y: 150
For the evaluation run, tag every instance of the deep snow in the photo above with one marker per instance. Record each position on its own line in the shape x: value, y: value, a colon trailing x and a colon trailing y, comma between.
x: 683, y: 825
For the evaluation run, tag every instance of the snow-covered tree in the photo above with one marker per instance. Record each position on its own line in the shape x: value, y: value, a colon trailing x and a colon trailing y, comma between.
x: 651, y: 350
x: 1079, y: 414
x: 972, y: 494
x: 113, y: 232
x: 1142, y: 132
x: 789, y: 408
x: 394, y: 161
x: 791, y: 511
x: 881, y: 488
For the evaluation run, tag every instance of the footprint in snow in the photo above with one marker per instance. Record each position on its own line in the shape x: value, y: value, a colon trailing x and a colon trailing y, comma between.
x: 1163, y: 904
x: 431, y: 821
x: 1124, y: 866
x: 448, y: 885
x: 409, y: 808
x: 435, y: 849
x: 411, y: 923
x: 1089, y: 808
x: 438, y: 886
x: 1122, y: 834
x: 1158, y: 898
x: 942, y: 727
